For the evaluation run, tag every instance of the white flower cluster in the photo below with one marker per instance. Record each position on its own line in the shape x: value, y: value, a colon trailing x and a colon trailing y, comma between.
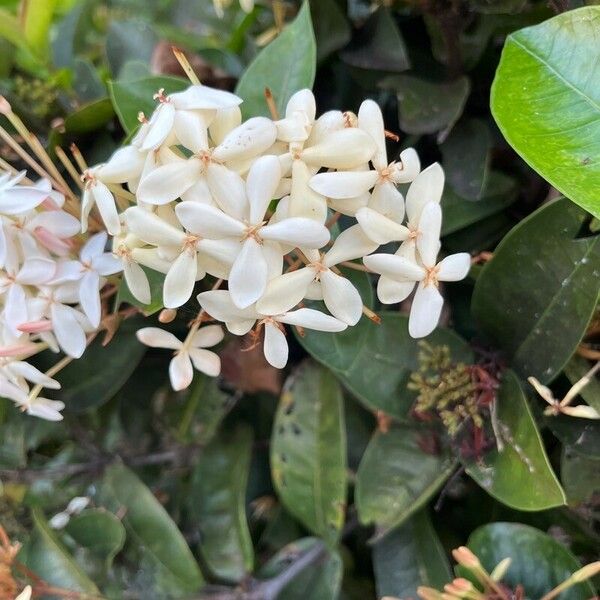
x: 204, y: 183
x: 49, y: 288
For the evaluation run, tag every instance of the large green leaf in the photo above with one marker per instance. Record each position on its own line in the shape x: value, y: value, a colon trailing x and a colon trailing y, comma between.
x: 408, y: 557
x: 217, y: 505
x: 396, y: 476
x: 427, y: 106
x: 332, y: 30
x: 546, y: 100
x: 375, y: 361
x: 99, y: 532
x: 152, y: 532
x: 102, y: 371
x: 519, y: 473
x: 131, y: 97
x: 537, y: 295
x: 36, y: 18
x: 48, y: 558
x: 286, y: 65
x: 539, y: 562
x: 89, y: 117
x: 127, y: 41
x: 321, y: 580
x: 308, y: 451
x: 580, y: 476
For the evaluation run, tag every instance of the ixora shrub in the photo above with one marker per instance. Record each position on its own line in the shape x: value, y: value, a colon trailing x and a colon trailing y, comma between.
x: 434, y: 308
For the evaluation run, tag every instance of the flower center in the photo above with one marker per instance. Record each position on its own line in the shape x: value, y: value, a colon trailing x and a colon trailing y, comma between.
x: 161, y: 96
x: 189, y: 244
x: 88, y: 179
x: 252, y: 231
x: 431, y: 276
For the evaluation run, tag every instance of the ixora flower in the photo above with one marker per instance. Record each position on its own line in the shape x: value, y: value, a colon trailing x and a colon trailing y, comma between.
x: 189, y: 354
x: 219, y: 305
x: 15, y: 198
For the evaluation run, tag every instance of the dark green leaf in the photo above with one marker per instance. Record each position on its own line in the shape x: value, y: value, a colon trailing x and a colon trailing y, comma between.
x: 90, y: 117
x: 131, y: 97
x: 466, y: 158
x: 537, y: 295
x: 539, y: 563
x: 48, y: 558
x: 129, y: 40
x: 308, y: 451
x: 285, y: 66
x: 426, y: 106
x: 217, y: 505
x: 378, y: 45
x: 550, y: 72
x: 332, y: 30
x: 580, y: 476
x: 577, y: 368
x: 519, y: 473
x: 409, y: 557
x: 580, y: 435
x: 375, y: 361
x: 150, y: 528
x: 98, y: 531
x: 397, y: 476
x: 321, y: 580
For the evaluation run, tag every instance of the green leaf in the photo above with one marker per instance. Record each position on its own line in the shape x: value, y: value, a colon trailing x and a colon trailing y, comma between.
x: 218, y: 505
x: 378, y: 45
x: 156, y: 281
x: 580, y: 435
x: 129, y: 40
x: 375, y: 361
x: 409, y: 557
x: 98, y: 531
x: 308, y: 451
x: 10, y: 30
x: 428, y: 107
x: 131, y: 97
x: 90, y: 117
x: 396, y: 476
x: 539, y: 562
x: 286, y: 65
x: 537, y: 295
x: 546, y: 101
x: 48, y: 558
x: 580, y: 476
x: 36, y: 19
x: 155, y: 535
x: 466, y: 153
x: 332, y: 30
x: 499, y: 193
x: 577, y: 368
x: 519, y: 473
x: 321, y: 580
x: 101, y: 372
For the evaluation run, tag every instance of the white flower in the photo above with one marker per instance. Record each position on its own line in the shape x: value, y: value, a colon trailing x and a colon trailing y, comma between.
x: 15, y: 198
x: 340, y: 296
x: 189, y: 354
x: 250, y: 270
x: 219, y: 305
x: 35, y: 406
x: 75, y: 506
x: 88, y: 272
x: 25, y: 594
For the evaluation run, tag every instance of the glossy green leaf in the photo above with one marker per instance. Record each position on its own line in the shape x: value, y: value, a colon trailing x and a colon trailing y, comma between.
x: 409, y: 557
x: 537, y: 295
x: 546, y: 101
x: 539, y: 562
x: 217, y: 505
x: 152, y: 532
x: 99, y: 532
x: 580, y: 476
x: 375, y: 361
x: 378, y: 45
x: 577, y: 368
x: 286, y: 65
x: 321, y: 580
x: 156, y: 281
x: 466, y: 153
x: 129, y: 40
x: 397, y: 476
x: 90, y: 117
x: 131, y: 97
x: 499, y: 193
x: 580, y: 435
x: 37, y: 19
x: 10, y: 30
x: 101, y: 372
x: 517, y: 473
x: 308, y: 451
x: 48, y: 558
x: 428, y: 107
x: 332, y: 30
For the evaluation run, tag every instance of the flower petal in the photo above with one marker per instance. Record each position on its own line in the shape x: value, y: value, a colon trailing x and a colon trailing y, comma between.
x: 89, y: 297
x: 297, y: 231
x: 137, y: 282
x: 208, y: 221
x: 204, y: 97
x: 303, y: 201
x: 69, y: 334
x: 219, y: 305
x: 247, y: 141
x: 407, y: 168
x: 207, y: 336
x: 154, y: 337
x: 388, y: 201
x: 228, y: 190
x: 181, y: 371
x: 341, y: 298
x: 390, y: 291
x: 313, y: 319
x: 205, y: 361
x: 344, y: 184
x: 370, y: 120
x: 93, y: 247
x: 425, y: 311
x: 285, y: 291
x: 160, y: 126
x: 180, y: 280
x: 395, y: 267
x: 191, y: 129
x: 350, y: 244
x: 249, y: 274
x: 428, y: 240
x: 106, y: 206
x: 427, y: 187
x: 168, y: 182
x: 275, y: 346
x: 150, y: 228
x: 380, y: 228
x: 226, y: 120
x: 262, y: 181
x: 454, y: 267
x: 343, y: 149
